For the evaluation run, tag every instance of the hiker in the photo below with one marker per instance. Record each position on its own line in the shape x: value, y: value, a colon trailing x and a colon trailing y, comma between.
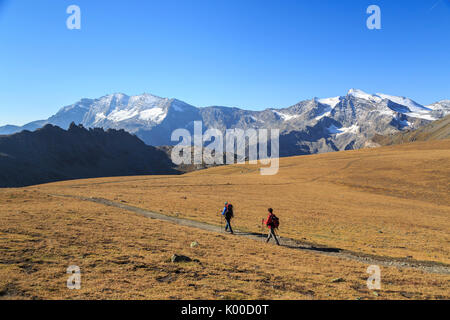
x: 228, y: 214
x: 272, y: 223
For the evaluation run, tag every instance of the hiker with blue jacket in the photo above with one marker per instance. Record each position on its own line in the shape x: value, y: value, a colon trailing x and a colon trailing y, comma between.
x: 228, y: 215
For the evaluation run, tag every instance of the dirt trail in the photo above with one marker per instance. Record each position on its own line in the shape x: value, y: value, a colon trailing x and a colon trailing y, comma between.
x: 426, y: 266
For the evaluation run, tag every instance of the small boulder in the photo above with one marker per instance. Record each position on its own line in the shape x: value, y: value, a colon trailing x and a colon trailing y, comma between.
x: 194, y: 244
x: 337, y: 280
x: 180, y: 258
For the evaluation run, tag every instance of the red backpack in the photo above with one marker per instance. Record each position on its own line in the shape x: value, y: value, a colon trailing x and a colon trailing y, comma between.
x: 275, y: 221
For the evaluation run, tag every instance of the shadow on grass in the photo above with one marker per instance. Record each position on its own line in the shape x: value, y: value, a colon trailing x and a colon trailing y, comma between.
x: 298, y: 246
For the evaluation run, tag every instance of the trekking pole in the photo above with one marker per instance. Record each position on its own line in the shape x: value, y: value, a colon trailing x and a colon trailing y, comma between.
x: 234, y: 219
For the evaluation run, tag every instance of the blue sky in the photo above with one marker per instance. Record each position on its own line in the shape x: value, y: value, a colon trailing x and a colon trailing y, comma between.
x: 251, y: 54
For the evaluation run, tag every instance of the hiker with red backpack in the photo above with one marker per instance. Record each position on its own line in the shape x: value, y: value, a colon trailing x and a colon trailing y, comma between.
x: 228, y: 215
x: 272, y: 223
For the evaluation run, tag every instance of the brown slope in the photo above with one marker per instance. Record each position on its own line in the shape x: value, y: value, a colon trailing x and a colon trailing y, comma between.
x: 126, y: 256
x: 391, y: 201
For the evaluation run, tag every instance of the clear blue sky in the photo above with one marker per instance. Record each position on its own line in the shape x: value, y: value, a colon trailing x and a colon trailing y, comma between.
x: 251, y: 54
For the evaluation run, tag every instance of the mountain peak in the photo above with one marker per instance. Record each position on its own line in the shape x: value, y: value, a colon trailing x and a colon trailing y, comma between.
x: 357, y: 93
x: 332, y: 102
x: 147, y: 94
x: 117, y: 95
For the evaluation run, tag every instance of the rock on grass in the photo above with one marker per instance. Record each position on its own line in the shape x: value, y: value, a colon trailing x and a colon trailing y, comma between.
x: 180, y: 258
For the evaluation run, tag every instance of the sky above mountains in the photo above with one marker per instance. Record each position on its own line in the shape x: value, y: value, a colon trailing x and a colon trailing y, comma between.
x: 252, y: 54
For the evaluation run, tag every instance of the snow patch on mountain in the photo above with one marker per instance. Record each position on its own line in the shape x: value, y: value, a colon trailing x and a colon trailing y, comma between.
x: 412, y: 105
x: 385, y: 111
x: 423, y: 116
x: 327, y: 113
x: 332, y: 102
x: 286, y: 117
x: 354, y: 129
x: 99, y: 116
x: 363, y: 95
x: 121, y: 115
x: 156, y: 115
x: 144, y: 100
x: 405, y: 123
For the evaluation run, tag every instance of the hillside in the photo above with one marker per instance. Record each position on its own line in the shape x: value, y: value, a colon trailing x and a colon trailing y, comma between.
x: 386, y: 204
x: 436, y: 130
x: 338, y: 199
x: 122, y: 255
x: 53, y: 154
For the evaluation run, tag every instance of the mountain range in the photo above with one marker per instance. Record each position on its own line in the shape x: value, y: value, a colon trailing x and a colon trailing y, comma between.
x: 310, y: 126
x: 436, y: 130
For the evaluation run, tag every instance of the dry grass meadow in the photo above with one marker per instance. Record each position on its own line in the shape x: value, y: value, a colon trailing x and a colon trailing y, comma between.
x: 391, y: 201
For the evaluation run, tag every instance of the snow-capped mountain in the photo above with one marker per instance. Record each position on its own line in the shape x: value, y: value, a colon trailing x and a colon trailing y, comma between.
x: 118, y: 110
x: 146, y: 115
x: 440, y: 109
x: 310, y: 126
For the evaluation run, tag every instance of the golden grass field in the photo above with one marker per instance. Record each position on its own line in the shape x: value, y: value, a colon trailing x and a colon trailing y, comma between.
x: 392, y: 202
